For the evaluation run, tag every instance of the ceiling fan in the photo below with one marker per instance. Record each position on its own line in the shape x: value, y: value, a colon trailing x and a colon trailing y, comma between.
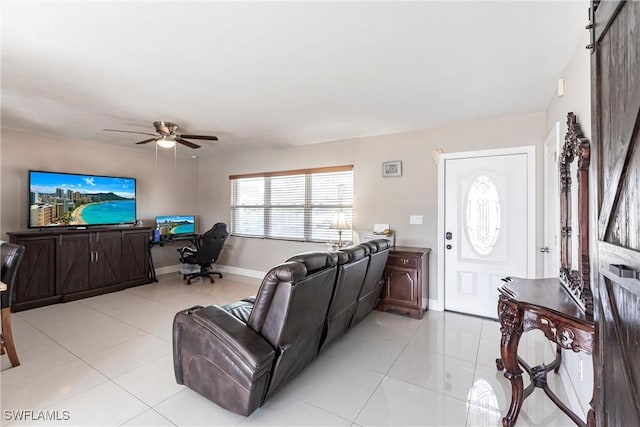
x: 167, y: 135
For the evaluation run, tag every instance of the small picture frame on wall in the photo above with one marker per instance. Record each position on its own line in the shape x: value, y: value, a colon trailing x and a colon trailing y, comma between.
x: 393, y: 168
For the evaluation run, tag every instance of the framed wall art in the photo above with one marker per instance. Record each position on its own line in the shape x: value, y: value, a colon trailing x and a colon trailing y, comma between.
x: 393, y: 168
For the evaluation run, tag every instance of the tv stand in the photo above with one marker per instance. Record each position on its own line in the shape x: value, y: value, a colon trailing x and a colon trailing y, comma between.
x: 62, y: 265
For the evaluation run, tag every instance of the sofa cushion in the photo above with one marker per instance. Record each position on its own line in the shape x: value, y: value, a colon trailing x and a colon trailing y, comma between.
x: 240, y: 309
x: 287, y: 272
x: 315, y: 261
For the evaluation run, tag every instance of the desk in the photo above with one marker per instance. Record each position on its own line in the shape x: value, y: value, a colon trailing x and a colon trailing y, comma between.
x: 544, y: 304
x: 162, y: 242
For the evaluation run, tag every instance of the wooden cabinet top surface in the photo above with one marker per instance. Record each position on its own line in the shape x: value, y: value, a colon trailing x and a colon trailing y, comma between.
x: 407, y: 250
x: 55, y: 231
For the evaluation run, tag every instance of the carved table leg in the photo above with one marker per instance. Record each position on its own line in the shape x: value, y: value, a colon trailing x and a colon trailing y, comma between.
x: 511, y: 328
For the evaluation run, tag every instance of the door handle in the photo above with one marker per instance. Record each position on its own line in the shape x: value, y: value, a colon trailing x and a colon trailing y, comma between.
x: 545, y: 249
x: 448, y: 246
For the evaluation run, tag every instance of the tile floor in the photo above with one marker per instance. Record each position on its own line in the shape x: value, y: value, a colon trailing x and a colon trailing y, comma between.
x: 107, y: 360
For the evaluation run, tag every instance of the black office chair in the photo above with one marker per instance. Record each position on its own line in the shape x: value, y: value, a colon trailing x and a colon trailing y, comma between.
x: 11, y: 258
x: 206, y: 252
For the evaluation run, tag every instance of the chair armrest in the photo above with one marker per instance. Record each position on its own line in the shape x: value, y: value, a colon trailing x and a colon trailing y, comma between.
x: 244, y: 347
x: 186, y: 249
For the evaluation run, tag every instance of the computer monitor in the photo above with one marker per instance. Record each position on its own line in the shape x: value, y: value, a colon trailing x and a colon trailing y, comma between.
x: 176, y: 225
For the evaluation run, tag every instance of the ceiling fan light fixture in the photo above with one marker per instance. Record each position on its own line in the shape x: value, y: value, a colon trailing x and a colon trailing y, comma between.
x: 165, y: 142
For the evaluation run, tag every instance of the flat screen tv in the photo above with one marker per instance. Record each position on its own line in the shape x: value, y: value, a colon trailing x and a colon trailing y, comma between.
x: 67, y: 199
x: 175, y: 225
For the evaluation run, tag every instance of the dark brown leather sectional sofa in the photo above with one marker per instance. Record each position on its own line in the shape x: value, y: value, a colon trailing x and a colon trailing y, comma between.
x: 240, y: 354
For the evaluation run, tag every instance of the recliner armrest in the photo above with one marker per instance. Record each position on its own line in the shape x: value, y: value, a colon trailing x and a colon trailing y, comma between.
x: 221, y: 358
x: 248, y: 347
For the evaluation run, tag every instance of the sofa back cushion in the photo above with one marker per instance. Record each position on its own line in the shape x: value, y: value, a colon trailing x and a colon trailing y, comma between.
x: 372, y: 286
x: 290, y: 311
x: 378, y: 253
x: 351, y: 274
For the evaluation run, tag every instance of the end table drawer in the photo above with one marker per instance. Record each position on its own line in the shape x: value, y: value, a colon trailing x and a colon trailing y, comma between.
x: 403, y: 261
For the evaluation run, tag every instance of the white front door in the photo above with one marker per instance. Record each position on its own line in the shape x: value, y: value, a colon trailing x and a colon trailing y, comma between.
x: 487, y: 218
x: 550, y: 252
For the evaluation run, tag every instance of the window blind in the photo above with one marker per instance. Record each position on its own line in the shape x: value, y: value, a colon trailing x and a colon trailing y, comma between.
x: 292, y: 205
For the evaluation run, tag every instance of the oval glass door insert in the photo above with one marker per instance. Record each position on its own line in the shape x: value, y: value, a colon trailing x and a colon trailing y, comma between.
x: 483, y: 215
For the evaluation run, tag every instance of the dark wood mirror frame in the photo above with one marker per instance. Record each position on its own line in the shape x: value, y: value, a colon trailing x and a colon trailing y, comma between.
x: 576, y: 148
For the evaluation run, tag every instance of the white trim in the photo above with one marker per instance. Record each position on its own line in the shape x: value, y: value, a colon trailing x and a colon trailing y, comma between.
x: 569, y: 387
x: 530, y: 151
x: 571, y: 392
x: 241, y: 271
x: 222, y: 268
x: 433, y: 304
x: 551, y: 141
x: 168, y: 269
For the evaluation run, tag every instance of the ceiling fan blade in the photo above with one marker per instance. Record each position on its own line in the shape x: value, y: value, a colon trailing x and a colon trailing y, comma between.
x: 187, y: 143
x: 146, y: 141
x: 129, y: 131
x: 212, y: 138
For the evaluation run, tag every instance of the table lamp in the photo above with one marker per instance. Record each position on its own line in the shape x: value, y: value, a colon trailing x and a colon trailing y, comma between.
x: 339, y: 223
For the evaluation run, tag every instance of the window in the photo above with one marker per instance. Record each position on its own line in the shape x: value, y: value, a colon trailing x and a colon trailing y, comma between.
x: 483, y: 215
x: 292, y: 205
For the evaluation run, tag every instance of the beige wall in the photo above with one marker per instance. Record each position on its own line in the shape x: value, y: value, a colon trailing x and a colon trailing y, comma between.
x: 577, y: 99
x: 250, y: 253
x: 377, y: 199
x: 161, y: 190
x: 203, y: 187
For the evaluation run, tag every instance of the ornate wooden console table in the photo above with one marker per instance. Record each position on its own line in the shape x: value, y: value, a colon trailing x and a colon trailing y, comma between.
x: 544, y: 304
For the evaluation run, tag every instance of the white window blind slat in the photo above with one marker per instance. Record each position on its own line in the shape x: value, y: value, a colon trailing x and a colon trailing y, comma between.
x: 296, y: 206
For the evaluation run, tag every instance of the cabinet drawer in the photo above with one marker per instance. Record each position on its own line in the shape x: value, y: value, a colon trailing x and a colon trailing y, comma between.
x: 403, y: 261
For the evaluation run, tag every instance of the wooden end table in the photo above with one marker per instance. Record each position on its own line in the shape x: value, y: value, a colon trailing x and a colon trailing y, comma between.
x: 544, y: 304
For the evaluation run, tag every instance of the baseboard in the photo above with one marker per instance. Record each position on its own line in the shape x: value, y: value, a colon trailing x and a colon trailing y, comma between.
x: 168, y: 269
x: 222, y: 268
x: 241, y: 271
x: 572, y: 394
x: 434, y: 304
x: 569, y: 388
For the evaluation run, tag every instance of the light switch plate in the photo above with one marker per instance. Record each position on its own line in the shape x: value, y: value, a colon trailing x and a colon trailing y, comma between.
x: 415, y: 219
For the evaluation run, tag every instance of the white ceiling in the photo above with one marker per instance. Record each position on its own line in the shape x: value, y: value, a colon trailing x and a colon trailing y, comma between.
x: 277, y: 74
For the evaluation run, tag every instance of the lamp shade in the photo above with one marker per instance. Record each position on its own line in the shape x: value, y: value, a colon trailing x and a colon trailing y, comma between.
x: 339, y: 222
x: 165, y: 142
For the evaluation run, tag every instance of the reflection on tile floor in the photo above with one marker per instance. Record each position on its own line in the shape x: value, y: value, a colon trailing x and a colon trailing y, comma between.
x: 107, y: 360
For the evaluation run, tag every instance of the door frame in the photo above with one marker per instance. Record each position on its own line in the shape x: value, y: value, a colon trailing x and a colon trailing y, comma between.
x: 530, y: 151
x: 552, y: 140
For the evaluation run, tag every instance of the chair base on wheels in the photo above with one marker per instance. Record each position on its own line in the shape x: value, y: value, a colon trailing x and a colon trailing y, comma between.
x: 204, y: 272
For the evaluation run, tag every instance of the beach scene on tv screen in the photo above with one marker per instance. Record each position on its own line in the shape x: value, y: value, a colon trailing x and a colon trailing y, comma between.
x: 58, y: 199
x: 178, y: 224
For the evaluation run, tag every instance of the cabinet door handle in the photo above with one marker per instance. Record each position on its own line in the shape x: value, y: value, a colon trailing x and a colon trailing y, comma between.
x: 404, y: 260
x: 97, y: 256
x: 91, y: 259
x: 624, y: 271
